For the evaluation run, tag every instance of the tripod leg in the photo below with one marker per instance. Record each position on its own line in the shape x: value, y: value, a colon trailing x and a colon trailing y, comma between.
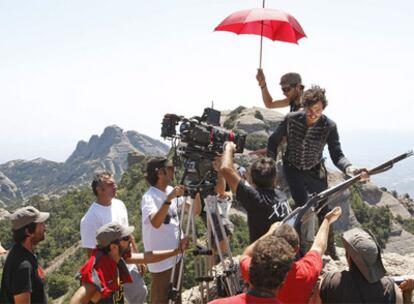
x: 210, y: 201
x: 235, y: 281
x: 176, y: 285
x: 198, y: 267
x: 234, y: 273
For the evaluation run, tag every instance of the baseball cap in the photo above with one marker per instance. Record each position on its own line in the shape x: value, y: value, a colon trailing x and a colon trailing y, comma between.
x: 156, y: 163
x: 290, y: 78
x: 27, y: 215
x: 111, y: 232
x: 365, y: 253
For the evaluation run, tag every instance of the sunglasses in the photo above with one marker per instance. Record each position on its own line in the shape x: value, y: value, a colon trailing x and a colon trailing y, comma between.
x: 286, y: 89
x: 125, y: 238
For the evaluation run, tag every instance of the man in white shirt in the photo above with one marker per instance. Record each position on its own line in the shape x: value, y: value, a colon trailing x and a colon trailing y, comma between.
x: 160, y: 223
x: 104, y: 210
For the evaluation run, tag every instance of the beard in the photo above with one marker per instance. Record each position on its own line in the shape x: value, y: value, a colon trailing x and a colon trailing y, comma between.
x: 38, y: 238
x: 125, y: 250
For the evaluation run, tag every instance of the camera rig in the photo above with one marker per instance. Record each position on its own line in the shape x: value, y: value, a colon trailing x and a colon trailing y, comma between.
x: 199, y: 141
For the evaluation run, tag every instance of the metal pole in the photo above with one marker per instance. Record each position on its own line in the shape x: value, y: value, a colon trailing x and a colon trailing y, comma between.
x: 261, y: 40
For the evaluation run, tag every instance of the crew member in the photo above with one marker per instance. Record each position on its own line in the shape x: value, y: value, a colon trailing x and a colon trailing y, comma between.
x: 103, y: 276
x: 104, y: 210
x: 263, y: 202
x: 23, y: 279
x: 160, y: 224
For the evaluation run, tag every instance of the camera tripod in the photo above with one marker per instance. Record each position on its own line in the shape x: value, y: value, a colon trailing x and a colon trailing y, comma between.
x: 229, y: 279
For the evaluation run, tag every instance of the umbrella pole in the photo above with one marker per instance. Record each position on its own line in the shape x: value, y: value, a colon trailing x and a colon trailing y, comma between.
x: 261, y: 40
x: 261, y: 46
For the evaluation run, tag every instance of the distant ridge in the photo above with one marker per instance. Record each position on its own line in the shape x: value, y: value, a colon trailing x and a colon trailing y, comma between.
x: 21, y: 179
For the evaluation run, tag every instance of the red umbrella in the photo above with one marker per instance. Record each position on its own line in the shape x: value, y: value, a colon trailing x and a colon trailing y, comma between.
x: 270, y: 23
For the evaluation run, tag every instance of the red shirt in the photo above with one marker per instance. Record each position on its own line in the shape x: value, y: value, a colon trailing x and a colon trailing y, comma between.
x: 105, y: 275
x: 300, y: 280
x: 245, y: 299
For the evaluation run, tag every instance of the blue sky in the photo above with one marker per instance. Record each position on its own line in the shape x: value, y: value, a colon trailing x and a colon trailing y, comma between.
x: 68, y: 69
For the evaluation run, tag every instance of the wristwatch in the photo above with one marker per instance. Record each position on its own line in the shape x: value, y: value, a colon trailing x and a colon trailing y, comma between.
x: 167, y: 203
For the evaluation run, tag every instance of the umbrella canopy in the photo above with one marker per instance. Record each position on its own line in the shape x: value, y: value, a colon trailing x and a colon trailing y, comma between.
x: 270, y: 23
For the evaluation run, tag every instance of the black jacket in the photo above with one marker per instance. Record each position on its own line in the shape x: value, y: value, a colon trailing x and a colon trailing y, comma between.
x: 305, y: 144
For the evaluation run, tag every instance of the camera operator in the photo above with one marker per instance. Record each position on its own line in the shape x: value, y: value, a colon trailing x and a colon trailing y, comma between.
x: 264, y: 204
x: 160, y: 224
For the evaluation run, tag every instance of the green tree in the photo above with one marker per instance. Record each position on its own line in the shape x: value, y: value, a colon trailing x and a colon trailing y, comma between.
x: 376, y: 219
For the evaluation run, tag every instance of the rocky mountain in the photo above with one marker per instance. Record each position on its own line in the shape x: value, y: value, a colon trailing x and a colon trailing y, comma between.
x: 21, y: 178
x: 8, y: 191
x: 257, y: 122
x: 399, y: 241
x: 31, y: 177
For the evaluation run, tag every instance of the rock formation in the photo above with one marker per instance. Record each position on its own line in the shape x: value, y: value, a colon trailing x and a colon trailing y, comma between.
x: 8, y: 191
x: 108, y: 152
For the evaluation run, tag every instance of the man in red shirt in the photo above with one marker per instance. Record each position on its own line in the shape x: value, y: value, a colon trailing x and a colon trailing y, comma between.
x: 103, y: 275
x: 271, y: 260
x: 304, y: 273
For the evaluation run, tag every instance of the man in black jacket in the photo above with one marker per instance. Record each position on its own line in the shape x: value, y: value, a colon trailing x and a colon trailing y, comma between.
x: 307, y: 133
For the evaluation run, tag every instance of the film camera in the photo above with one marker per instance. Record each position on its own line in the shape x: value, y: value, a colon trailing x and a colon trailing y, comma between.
x: 199, y: 141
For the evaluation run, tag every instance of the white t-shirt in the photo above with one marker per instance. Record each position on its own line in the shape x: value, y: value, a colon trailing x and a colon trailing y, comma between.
x: 99, y: 215
x: 167, y: 235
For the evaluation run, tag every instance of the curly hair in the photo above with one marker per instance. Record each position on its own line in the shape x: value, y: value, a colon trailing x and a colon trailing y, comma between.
x: 263, y: 172
x: 288, y: 233
x: 314, y: 95
x: 271, y: 261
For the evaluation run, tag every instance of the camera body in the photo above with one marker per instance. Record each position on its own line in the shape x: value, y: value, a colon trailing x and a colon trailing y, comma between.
x: 200, y: 140
x: 202, y: 133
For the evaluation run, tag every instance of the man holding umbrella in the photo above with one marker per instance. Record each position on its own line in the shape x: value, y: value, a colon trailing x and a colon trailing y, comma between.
x: 292, y: 88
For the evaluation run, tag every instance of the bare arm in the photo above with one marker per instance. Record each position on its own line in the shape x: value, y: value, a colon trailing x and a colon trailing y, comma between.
x: 197, y: 204
x: 84, y: 294
x: 267, y: 98
x: 158, y: 218
x: 249, y: 249
x: 89, y: 252
x: 227, y: 167
x: 321, y: 238
x: 133, y: 244
x: 407, y: 289
x: 22, y: 298
x: 220, y: 185
x: 156, y: 256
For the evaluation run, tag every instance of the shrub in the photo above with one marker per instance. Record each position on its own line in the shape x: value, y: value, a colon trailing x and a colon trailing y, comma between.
x: 376, y: 219
x: 58, y: 284
x: 230, y: 121
x: 256, y: 141
x: 258, y: 115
